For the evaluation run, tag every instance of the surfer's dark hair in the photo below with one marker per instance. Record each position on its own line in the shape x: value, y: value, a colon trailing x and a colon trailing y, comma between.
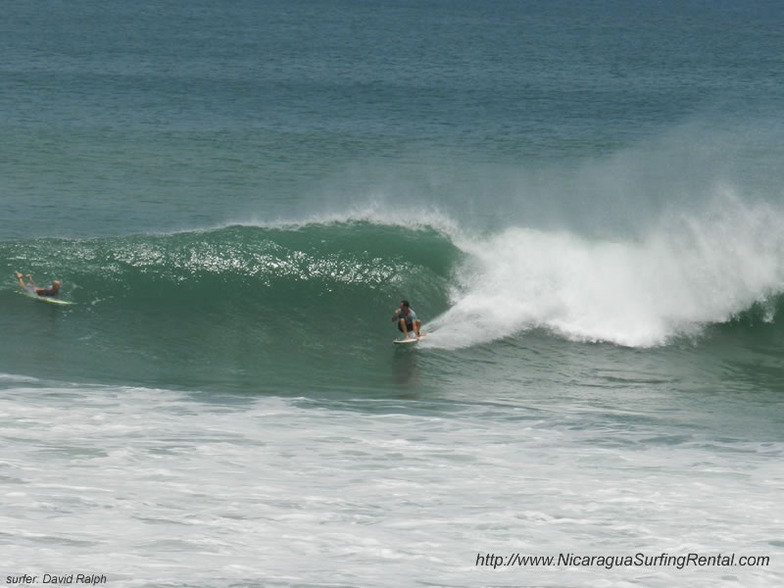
x: 404, y: 303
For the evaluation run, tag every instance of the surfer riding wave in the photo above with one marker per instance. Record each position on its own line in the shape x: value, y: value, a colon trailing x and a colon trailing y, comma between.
x: 407, y: 320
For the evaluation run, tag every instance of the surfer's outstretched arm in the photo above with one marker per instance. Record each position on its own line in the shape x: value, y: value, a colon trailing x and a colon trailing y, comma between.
x: 21, y: 279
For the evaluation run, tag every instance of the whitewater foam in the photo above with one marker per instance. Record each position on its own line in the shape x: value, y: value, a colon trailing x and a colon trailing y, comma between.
x: 686, y: 272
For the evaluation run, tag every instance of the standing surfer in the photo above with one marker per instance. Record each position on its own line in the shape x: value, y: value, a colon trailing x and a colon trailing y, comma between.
x: 407, y: 320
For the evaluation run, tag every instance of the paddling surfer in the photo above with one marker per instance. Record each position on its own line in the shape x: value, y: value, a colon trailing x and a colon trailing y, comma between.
x: 51, y: 290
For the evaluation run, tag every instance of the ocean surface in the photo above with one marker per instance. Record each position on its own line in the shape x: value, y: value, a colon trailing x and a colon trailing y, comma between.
x: 583, y: 201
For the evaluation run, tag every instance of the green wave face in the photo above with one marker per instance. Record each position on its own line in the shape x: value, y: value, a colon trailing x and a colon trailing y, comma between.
x: 245, y: 304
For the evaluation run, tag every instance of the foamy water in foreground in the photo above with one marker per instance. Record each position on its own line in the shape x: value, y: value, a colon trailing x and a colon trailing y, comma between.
x: 159, y: 488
